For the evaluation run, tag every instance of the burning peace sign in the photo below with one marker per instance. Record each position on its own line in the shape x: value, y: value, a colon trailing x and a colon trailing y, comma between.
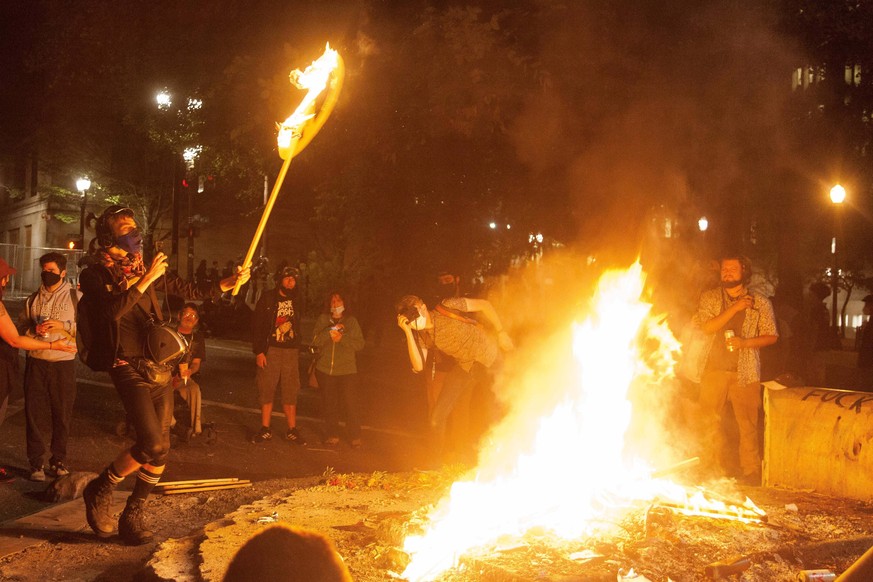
x: 324, y: 75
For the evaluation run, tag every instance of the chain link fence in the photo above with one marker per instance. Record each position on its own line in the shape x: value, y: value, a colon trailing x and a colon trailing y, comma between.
x: 25, y: 260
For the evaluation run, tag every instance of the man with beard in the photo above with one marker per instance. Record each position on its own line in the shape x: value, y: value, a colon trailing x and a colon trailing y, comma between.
x: 276, y: 343
x: 118, y: 308
x: 741, y: 322
x: 50, y: 375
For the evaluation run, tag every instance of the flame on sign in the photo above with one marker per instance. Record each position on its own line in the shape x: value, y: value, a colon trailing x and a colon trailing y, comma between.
x: 560, y: 460
x: 313, y: 80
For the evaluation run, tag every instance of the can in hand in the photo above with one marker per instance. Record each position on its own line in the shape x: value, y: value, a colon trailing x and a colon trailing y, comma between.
x: 728, y: 334
x: 816, y: 576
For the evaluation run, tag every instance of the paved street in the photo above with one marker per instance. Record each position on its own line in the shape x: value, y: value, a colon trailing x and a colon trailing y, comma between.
x: 393, y: 414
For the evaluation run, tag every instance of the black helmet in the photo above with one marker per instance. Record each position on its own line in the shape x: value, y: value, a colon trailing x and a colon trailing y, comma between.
x: 286, y: 272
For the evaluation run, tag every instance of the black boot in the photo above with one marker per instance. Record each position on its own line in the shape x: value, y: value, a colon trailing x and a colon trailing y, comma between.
x: 98, y: 501
x: 131, y: 528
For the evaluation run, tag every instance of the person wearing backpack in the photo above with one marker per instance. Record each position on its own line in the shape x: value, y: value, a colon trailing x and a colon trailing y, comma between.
x: 10, y: 343
x: 448, y: 330
x: 49, y: 375
x: 117, y: 312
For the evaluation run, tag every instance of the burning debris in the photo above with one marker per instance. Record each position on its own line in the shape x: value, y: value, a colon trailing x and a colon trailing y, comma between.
x: 572, y: 473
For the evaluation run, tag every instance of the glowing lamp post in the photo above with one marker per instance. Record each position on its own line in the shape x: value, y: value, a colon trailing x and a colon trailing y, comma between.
x: 83, y: 185
x: 838, y: 196
x: 163, y: 100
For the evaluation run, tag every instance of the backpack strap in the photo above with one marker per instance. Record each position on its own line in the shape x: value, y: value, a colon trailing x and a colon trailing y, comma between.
x: 28, y: 304
x: 455, y: 314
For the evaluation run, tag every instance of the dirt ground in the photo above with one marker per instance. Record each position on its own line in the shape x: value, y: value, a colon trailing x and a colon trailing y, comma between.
x: 367, y: 516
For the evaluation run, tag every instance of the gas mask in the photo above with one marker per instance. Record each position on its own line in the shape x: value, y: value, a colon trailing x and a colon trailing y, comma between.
x: 130, y: 242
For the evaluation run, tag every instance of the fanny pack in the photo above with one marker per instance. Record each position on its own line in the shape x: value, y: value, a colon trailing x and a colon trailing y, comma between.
x: 151, y: 371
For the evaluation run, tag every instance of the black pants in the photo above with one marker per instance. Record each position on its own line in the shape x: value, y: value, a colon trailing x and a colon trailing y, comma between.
x: 149, y: 407
x: 49, y: 394
x: 339, y: 391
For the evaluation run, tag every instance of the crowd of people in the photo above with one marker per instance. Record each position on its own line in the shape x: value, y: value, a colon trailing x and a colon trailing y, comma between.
x: 456, y: 342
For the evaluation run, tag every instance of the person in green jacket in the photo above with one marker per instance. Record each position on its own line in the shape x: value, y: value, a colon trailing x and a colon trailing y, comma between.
x: 338, y: 338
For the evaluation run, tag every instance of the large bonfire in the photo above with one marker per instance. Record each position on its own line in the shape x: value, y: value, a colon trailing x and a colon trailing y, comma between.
x: 560, y: 461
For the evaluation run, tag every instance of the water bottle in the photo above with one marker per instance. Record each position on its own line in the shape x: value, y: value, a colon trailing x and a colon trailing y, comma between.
x: 728, y: 334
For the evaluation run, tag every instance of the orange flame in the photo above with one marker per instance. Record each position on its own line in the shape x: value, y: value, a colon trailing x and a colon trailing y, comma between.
x: 567, y: 470
x: 314, y: 80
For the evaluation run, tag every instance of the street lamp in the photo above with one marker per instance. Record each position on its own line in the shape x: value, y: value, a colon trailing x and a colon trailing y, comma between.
x: 164, y: 100
x: 190, y: 156
x: 82, y: 185
x: 838, y: 196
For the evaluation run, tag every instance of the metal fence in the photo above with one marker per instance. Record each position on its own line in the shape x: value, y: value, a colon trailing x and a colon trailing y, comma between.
x: 25, y: 260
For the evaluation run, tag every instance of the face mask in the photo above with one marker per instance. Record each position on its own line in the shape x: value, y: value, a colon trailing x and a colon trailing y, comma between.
x: 419, y: 321
x: 49, y: 279
x: 130, y: 242
x: 731, y: 284
x: 337, y: 311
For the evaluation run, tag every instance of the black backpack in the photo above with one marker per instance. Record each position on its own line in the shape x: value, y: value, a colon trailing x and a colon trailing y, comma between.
x: 95, y: 328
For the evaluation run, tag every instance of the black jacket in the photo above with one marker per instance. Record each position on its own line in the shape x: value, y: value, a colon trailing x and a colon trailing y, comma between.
x: 264, y: 321
x: 104, y: 304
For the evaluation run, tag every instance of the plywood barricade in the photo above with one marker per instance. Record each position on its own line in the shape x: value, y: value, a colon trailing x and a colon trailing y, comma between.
x: 821, y: 439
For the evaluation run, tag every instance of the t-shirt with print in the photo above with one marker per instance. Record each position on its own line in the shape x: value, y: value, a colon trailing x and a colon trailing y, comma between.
x: 284, y: 328
x: 465, y: 342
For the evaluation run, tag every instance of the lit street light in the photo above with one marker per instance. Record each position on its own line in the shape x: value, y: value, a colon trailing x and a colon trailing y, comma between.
x: 83, y: 185
x: 163, y: 100
x: 838, y: 196
x: 703, y: 224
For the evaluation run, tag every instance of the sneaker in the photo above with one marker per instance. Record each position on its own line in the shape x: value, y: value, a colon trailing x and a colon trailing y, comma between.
x: 294, y: 436
x: 58, y: 469
x: 37, y: 474
x: 131, y: 527
x: 263, y: 435
x: 98, y: 501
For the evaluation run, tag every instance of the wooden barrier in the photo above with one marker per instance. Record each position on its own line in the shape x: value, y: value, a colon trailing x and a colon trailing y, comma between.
x: 820, y: 439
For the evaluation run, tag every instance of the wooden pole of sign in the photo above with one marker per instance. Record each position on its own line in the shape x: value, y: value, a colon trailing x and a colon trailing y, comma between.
x: 268, y: 208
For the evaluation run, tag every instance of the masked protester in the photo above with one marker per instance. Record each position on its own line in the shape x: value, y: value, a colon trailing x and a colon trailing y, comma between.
x: 12, y: 342
x: 448, y: 330
x: 338, y: 337
x: 119, y: 297
x: 276, y: 344
x: 50, y: 375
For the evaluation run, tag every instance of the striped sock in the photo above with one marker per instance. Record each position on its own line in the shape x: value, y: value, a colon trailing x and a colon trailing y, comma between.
x: 145, y: 482
x: 112, y: 476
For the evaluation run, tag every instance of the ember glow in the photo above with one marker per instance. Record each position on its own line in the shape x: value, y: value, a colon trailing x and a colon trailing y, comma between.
x: 569, y: 471
x: 313, y: 80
